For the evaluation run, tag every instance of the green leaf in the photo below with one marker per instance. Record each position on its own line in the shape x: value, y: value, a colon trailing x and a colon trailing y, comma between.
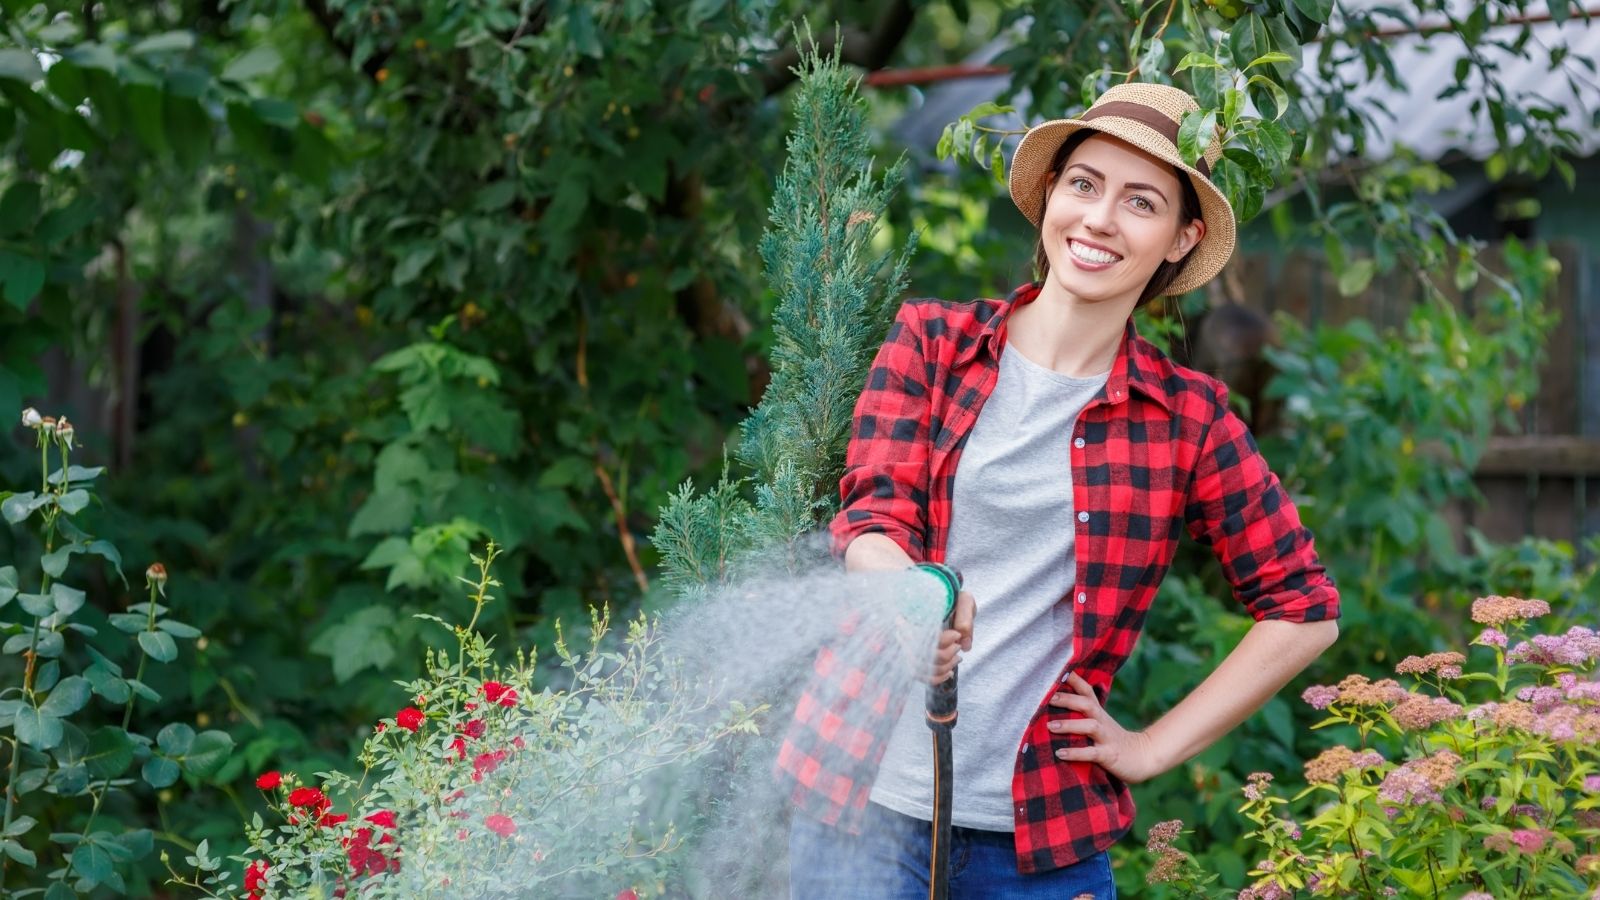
x: 22, y: 277
x: 210, y: 750
x: 68, y: 697
x: 20, y: 826
x: 1197, y: 59
x: 586, y: 37
x: 1356, y: 276
x: 55, y: 563
x: 1196, y: 134
x: 21, y: 65
x: 1276, y: 56
x: 360, y: 641
x: 68, y: 599
x: 19, y: 853
x: 259, y: 60
x: 158, y: 645
x: 159, y: 772
x: 19, y: 208
x: 106, y: 683
x: 60, y: 891
x: 412, y: 263
x: 129, y: 623
x: 36, y: 729
x: 1261, y: 85
x: 77, y: 474
x: 178, y: 629
x: 1316, y: 10
x: 110, y: 753
x: 169, y: 42
x: 74, y: 501
x: 37, y: 605
x: 175, y: 739
x: 8, y: 584
x: 91, y: 862
x: 1248, y: 39
x: 385, y: 511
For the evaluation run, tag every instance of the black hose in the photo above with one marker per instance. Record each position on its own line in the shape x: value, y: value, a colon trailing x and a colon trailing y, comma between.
x: 941, y: 709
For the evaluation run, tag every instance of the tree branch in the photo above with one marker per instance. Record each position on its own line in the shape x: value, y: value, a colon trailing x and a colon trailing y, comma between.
x: 869, y: 51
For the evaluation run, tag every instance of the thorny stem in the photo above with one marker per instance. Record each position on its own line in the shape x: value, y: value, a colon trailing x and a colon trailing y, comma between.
x: 138, y: 675
x: 50, y: 514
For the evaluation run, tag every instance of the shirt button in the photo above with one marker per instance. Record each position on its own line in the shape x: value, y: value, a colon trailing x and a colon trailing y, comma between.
x: 1083, y: 516
x: 1077, y: 442
x: 1083, y: 597
x: 1025, y: 748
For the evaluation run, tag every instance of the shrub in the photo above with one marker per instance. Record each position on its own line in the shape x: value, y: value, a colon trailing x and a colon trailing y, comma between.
x: 1440, y: 796
x: 69, y: 755
x: 486, y: 787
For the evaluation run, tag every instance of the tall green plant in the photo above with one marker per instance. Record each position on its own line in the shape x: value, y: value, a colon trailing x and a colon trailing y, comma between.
x: 835, y: 291
x: 68, y: 755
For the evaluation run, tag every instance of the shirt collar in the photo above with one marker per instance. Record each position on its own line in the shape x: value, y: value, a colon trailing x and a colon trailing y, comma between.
x: 1137, y: 366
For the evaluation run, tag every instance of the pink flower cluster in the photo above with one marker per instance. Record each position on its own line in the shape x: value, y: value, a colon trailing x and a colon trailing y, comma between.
x: 1420, y: 781
x: 1447, y: 664
x: 1417, y: 712
x: 1496, y: 610
x: 1578, y: 647
x: 1491, y: 637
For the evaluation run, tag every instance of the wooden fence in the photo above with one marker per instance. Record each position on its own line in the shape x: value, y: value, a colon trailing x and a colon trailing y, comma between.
x: 1542, y: 482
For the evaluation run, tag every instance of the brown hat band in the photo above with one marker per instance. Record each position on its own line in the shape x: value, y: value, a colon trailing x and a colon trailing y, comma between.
x: 1144, y: 115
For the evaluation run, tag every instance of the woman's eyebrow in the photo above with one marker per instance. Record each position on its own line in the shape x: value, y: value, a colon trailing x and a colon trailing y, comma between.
x: 1134, y: 185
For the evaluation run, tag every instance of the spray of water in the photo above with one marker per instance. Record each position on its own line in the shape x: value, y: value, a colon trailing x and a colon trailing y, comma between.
x: 650, y: 763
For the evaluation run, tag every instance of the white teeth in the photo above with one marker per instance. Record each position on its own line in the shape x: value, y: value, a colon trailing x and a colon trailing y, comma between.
x: 1090, y: 254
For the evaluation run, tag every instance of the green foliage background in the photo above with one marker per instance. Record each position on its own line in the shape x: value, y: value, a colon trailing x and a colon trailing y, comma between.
x: 347, y: 287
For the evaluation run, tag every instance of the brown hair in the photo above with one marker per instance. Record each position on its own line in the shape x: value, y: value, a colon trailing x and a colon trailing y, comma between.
x: 1188, y: 211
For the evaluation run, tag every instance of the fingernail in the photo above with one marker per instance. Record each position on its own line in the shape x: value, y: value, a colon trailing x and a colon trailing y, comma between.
x: 1055, y: 726
x: 1061, y: 754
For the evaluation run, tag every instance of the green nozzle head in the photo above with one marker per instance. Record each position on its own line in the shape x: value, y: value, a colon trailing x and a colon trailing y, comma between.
x: 950, y: 579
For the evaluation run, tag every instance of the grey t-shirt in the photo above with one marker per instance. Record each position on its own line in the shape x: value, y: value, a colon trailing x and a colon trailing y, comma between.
x: 1011, y: 536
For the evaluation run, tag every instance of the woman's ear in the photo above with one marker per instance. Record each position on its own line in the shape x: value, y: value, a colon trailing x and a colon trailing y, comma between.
x: 1188, y: 236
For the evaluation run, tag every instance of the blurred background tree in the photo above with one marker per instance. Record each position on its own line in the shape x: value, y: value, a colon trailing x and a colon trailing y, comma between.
x: 342, y: 288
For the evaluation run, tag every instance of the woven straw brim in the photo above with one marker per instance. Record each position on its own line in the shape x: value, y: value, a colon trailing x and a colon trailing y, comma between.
x: 1031, y: 163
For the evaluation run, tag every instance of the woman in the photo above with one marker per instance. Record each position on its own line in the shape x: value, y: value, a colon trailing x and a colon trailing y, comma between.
x: 1039, y: 446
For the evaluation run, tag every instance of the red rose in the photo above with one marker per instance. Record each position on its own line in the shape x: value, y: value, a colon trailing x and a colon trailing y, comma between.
x: 501, y: 825
x: 310, y: 798
x: 329, y: 820
x: 519, y: 743
x: 460, y: 747
x: 495, y: 692
x: 269, y: 781
x: 409, y: 718
x: 627, y: 894
x: 487, y: 763
x: 473, y: 729
x: 383, y: 817
x: 255, y: 876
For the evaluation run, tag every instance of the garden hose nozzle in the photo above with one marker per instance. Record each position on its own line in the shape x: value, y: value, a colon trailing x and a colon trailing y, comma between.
x: 941, y: 715
x: 951, y: 579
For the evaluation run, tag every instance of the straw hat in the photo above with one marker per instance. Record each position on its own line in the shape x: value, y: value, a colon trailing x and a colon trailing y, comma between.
x: 1146, y: 116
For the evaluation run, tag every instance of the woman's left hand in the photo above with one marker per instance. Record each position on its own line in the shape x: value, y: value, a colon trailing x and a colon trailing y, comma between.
x: 1129, y: 755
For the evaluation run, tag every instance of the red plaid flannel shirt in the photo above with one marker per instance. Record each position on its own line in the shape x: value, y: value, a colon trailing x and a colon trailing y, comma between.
x: 1156, y: 451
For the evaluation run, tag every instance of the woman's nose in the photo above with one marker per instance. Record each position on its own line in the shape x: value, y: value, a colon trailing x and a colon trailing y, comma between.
x: 1099, y: 216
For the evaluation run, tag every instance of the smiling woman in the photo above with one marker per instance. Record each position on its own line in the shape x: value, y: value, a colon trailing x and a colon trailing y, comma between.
x: 1041, y: 447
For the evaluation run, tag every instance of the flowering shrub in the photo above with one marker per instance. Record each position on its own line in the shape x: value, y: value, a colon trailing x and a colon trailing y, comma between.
x: 68, y: 755
x: 484, y: 786
x: 1499, y: 798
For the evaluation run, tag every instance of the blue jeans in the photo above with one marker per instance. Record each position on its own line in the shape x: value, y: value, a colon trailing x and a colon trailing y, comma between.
x: 889, y: 860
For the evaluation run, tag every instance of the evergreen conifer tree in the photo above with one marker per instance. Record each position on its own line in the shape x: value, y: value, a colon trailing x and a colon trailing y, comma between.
x: 836, y: 295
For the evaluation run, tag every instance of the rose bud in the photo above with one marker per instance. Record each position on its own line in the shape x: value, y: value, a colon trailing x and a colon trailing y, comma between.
x: 48, y: 423
x: 64, y: 432
x: 31, y: 418
x: 157, y: 575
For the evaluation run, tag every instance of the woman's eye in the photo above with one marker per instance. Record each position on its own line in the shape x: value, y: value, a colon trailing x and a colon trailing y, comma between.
x: 1143, y: 204
x: 1081, y: 185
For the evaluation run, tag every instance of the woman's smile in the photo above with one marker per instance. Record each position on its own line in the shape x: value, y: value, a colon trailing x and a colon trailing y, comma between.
x: 1091, y: 257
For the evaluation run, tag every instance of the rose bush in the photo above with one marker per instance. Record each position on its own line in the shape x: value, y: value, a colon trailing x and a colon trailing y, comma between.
x: 70, y: 754
x: 1467, y: 784
x: 485, y: 786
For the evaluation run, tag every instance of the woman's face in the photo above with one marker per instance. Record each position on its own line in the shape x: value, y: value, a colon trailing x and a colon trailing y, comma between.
x: 1111, y: 217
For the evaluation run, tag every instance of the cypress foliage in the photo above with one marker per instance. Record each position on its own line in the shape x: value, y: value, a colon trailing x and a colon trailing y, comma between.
x: 835, y: 299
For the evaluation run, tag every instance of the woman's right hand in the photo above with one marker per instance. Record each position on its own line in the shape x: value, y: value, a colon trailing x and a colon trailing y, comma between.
x: 953, y: 640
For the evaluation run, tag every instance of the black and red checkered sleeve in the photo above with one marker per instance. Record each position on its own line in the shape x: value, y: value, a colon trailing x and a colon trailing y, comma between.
x: 1237, y: 507
x: 885, y: 485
